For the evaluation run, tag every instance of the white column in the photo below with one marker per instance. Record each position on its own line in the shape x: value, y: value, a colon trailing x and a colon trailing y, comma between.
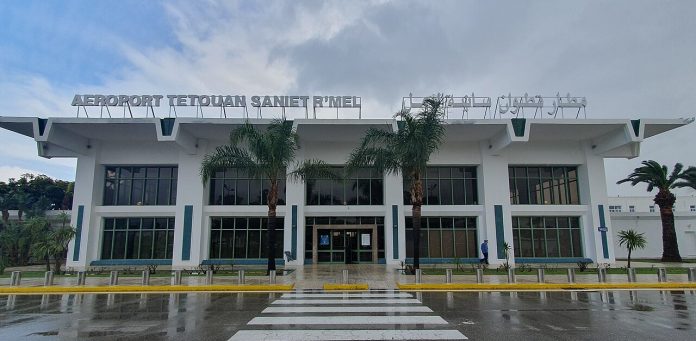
x: 593, y: 192
x: 393, y: 195
x: 295, y: 195
x: 190, y: 192
x: 494, y: 189
x: 87, y: 193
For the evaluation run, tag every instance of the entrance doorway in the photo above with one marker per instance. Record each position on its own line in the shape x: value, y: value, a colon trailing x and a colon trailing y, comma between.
x: 344, y: 244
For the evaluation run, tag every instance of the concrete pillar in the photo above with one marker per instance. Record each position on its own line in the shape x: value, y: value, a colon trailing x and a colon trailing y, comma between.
x: 493, y: 177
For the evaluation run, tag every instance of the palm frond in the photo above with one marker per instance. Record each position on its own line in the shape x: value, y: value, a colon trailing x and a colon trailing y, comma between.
x: 314, y: 169
x: 227, y: 156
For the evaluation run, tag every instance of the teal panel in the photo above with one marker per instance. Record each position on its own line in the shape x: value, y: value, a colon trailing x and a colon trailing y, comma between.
x: 518, y: 125
x: 602, y: 223
x: 188, y: 221
x: 167, y: 125
x: 499, y: 231
x: 636, y: 126
x: 140, y: 262
x: 395, y: 231
x: 293, y: 251
x: 78, y: 233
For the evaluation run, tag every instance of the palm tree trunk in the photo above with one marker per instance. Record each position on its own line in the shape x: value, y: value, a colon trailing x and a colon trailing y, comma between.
x: 670, y: 248
x: 416, y: 201
x: 56, y: 267
x: 629, y: 258
x: 48, y: 263
x: 416, y: 235
x: 272, y: 221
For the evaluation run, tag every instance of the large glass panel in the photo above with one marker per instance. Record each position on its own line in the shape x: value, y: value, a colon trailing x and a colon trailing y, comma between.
x: 215, y: 243
x: 163, y: 191
x: 161, y: 244
x: 458, y: 192
x: 376, y: 192
x: 363, y: 191
x: 146, y: 239
x: 434, y: 239
x: 242, y: 193
x: 460, y: 244
x: 566, y: 249
x: 445, y: 192
x: 226, y: 244
x: 109, y: 192
x: 577, y: 242
x: 543, y: 185
x: 124, y: 189
x: 255, y: 192
x: 150, y: 195
x: 119, y: 250
x: 106, y: 244
x: 432, y: 192
x: 254, y: 244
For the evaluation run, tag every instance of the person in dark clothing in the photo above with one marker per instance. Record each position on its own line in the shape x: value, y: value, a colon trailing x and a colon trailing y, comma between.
x: 484, y: 251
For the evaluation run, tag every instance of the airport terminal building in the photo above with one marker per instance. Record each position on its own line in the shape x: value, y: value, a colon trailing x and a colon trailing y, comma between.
x: 536, y: 184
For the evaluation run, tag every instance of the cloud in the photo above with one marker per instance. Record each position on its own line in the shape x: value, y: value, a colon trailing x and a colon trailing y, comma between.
x: 631, y: 59
x: 8, y: 172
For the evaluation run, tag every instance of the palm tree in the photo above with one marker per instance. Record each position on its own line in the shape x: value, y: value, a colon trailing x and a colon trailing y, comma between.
x: 633, y: 240
x: 688, y: 179
x: 657, y: 176
x: 407, y: 152
x: 55, y: 246
x: 264, y: 155
x: 39, y: 231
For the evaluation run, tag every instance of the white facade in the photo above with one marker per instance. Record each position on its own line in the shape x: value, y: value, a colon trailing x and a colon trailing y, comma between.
x: 490, y: 145
x: 642, y: 215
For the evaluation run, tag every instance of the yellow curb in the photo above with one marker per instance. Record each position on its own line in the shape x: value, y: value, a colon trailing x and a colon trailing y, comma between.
x: 357, y: 286
x: 143, y: 288
x: 541, y: 286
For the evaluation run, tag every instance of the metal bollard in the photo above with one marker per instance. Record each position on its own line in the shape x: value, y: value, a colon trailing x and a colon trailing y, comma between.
x: 511, y: 275
x: 48, y: 278
x: 81, y: 277
x: 345, y: 276
x: 145, y: 279
x: 419, y: 276
x: 541, y: 274
x: 662, y: 275
x: 16, y: 278
x: 631, y: 273
x: 571, y: 275
x: 448, y: 276
x: 272, y: 277
x: 692, y: 274
x: 602, y: 275
x: 240, y: 275
x: 177, y: 277
x: 479, y: 276
x: 113, y: 277
x: 209, y: 277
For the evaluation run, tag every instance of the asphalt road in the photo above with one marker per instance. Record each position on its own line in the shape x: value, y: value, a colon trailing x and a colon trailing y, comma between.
x: 613, y: 315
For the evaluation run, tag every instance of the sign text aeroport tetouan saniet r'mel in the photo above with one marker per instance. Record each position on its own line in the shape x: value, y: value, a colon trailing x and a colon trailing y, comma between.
x: 217, y: 101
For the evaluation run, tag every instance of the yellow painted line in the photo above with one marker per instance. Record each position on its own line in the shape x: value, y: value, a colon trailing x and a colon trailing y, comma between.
x: 541, y: 286
x: 143, y: 288
x: 357, y: 286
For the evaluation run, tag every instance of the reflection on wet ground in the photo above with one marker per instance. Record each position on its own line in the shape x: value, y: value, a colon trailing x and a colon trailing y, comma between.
x: 617, y: 315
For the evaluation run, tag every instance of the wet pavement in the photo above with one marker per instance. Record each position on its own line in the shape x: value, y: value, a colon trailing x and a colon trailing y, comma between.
x: 304, y: 315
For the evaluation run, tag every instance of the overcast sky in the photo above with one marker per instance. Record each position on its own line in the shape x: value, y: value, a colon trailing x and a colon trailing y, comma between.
x: 631, y: 59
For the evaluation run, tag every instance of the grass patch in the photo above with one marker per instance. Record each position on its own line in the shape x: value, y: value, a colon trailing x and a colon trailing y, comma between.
x: 555, y: 271
x: 159, y: 273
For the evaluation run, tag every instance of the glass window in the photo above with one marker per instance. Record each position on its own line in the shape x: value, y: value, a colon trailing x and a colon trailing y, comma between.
x: 139, y: 186
x: 235, y: 187
x: 547, y: 237
x: 446, y: 186
x: 243, y: 238
x: 444, y: 237
x: 543, y: 185
x: 363, y: 187
x: 137, y: 238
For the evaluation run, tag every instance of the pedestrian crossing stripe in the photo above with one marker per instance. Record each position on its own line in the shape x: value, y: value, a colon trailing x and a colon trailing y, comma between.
x: 389, y: 315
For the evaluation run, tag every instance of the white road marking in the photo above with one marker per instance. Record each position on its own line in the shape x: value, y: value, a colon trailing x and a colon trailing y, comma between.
x: 342, y: 335
x: 351, y: 301
x: 350, y: 295
x: 348, y: 320
x: 344, y: 309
